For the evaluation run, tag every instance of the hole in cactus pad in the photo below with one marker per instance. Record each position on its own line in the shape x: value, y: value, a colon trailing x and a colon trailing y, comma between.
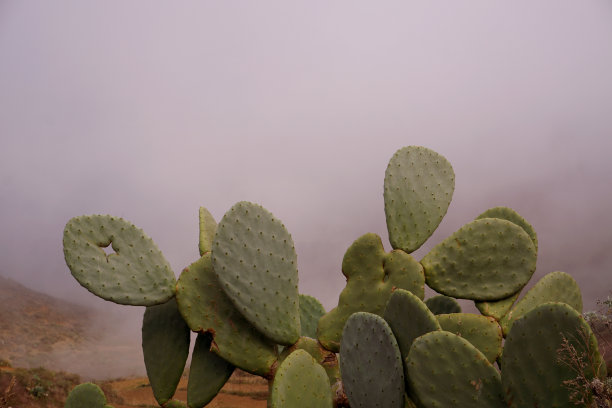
x: 108, y: 250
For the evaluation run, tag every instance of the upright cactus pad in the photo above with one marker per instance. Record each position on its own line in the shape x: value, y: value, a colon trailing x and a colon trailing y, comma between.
x: 482, y: 332
x: 408, y: 318
x: 509, y: 214
x: 371, y: 363
x: 255, y: 261
x: 136, y: 274
x: 208, y: 228
x: 486, y: 259
x: 497, y: 309
x: 207, y: 373
x: 300, y: 383
x: 311, y: 311
x: 371, y: 275
x: 206, y: 308
x: 553, y: 287
x: 532, y: 374
x: 445, y: 370
x: 86, y: 395
x: 418, y: 188
x: 324, y: 357
x: 165, y: 345
x: 441, y: 304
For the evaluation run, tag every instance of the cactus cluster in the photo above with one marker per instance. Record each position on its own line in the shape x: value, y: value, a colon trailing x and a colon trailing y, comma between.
x: 384, y: 345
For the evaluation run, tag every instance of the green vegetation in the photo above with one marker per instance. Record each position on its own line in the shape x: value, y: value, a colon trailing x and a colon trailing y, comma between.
x: 395, y: 348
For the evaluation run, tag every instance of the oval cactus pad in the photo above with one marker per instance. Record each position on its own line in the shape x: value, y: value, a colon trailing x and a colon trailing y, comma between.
x: 482, y: 332
x: 135, y: 274
x: 256, y: 264
x: 445, y: 370
x: 208, y: 228
x: 418, y: 188
x: 486, y: 259
x: 86, y: 395
x: 300, y: 382
x: 371, y: 363
x: 311, y: 311
x: 509, y: 214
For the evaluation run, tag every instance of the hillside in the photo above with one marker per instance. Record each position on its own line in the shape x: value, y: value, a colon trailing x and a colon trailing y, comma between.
x: 34, y: 326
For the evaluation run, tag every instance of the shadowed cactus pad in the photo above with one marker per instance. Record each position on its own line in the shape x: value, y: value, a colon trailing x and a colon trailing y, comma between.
x: 371, y: 363
x: 207, y: 373
x: 497, y: 309
x: 311, y: 311
x: 206, y: 308
x: 408, y: 318
x: 486, y: 259
x: 441, y: 304
x: 482, y: 332
x: 371, y: 275
x: 135, y: 274
x: 86, y: 395
x: 165, y: 345
x: 300, y: 383
x: 256, y: 264
x: 532, y: 376
x: 445, y: 370
x: 418, y: 189
x: 208, y: 227
x: 553, y: 287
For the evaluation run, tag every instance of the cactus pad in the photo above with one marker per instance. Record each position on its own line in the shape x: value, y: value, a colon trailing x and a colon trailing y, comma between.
x: 371, y: 275
x: 86, y: 395
x: 300, y: 383
x: 256, y: 264
x: 418, y: 189
x: 408, y: 318
x: 207, y: 373
x: 206, y: 308
x: 136, y: 274
x: 486, y: 259
x: 165, y: 345
x: 509, y: 214
x: 325, y: 358
x: 311, y: 311
x: 553, y: 287
x: 445, y: 370
x: 532, y: 374
x: 371, y: 363
x: 208, y: 227
x: 441, y: 304
x: 482, y: 332
x: 497, y: 309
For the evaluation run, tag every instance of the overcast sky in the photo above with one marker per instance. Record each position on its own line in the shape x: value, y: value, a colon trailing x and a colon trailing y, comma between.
x: 148, y: 110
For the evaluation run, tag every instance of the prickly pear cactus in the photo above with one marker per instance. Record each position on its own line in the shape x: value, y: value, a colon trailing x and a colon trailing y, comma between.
x: 86, y: 395
x: 482, y: 332
x: 311, y: 311
x: 135, y: 274
x: 441, y: 304
x: 256, y: 264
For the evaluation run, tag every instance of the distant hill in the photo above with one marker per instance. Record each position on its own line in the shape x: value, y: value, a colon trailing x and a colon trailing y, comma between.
x: 34, y: 325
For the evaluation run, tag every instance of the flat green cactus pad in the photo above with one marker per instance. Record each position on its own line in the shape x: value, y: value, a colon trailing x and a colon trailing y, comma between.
x: 441, y: 304
x: 509, y: 214
x: 445, y: 370
x: 135, y: 274
x: 324, y: 357
x: 207, y: 374
x: 482, y: 332
x: 486, y: 259
x: 408, y: 318
x: 497, y: 309
x: 86, y: 395
x: 418, y: 189
x: 371, y: 363
x: 311, y: 311
x: 553, y: 287
x: 532, y: 374
x: 300, y: 383
x: 255, y: 261
x: 371, y: 275
x: 206, y: 308
x: 165, y: 345
x: 208, y: 228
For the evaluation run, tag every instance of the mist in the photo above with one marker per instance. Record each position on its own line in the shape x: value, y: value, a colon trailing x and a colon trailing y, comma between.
x: 148, y: 112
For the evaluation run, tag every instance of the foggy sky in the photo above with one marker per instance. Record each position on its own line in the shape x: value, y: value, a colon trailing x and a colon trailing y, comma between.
x: 149, y: 110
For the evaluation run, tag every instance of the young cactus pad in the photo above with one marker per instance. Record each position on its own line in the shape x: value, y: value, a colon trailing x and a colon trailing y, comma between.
x: 418, y: 189
x: 86, y: 395
x: 136, y: 274
x: 256, y: 264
